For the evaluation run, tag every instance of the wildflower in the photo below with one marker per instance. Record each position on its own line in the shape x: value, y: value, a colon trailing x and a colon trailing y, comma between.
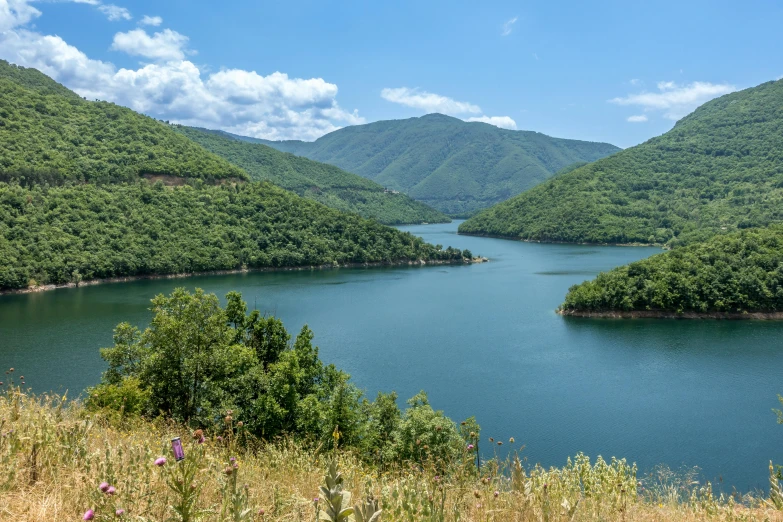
x: 119, y: 512
x: 233, y: 459
x: 470, y: 447
x: 219, y: 438
x: 160, y: 461
x: 240, y: 424
x: 500, y: 443
x: 228, y: 419
x: 89, y: 515
x: 316, y: 499
x: 104, y: 486
x: 491, y: 439
x: 198, y: 435
x: 476, y: 493
x: 496, y: 493
x: 511, y: 440
x: 229, y: 470
x: 261, y: 512
x: 111, y: 491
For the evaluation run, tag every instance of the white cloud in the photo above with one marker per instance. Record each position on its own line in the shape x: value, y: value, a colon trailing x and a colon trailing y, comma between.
x: 172, y: 88
x: 675, y: 100
x: 114, y: 12
x: 16, y: 13
x: 504, y: 122
x: 639, y: 118
x: 154, y: 21
x: 165, y: 45
x: 508, y: 27
x: 635, y: 81
x: 428, y: 101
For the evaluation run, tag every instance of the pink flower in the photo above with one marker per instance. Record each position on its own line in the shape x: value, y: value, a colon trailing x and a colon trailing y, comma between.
x: 470, y: 447
x: 89, y: 515
x: 119, y: 512
x: 104, y: 486
x: 160, y: 461
x: 496, y: 494
x: 111, y: 490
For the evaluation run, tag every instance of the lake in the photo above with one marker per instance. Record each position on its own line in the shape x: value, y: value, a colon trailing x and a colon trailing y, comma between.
x: 482, y: 340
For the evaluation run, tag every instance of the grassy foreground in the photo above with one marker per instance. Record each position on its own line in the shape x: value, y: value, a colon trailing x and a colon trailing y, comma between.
x: 56, y: 460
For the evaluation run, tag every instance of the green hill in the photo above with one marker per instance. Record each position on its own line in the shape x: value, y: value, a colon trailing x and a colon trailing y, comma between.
x: 49, y: 133
x: 453, y: 166
x: 66, y: 233
x: 734, y: 273
x: 320, y: 182
x: 719, y: 169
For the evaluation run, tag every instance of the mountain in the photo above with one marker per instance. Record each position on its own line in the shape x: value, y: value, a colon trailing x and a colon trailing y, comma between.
x: 718, y: 170
x: 48, y: 132
x: 740, y: 272
x: 451, y: 165
x: 75, y: 204
x: 320, y: 182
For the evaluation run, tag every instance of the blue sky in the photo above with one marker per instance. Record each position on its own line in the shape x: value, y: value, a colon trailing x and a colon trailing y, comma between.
x: 299, y: 69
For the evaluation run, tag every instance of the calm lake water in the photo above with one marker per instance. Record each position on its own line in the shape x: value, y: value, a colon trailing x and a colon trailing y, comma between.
x: 482, y: 340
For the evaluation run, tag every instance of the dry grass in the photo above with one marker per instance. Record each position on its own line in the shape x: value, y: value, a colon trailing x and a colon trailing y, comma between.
x: 54, y: 455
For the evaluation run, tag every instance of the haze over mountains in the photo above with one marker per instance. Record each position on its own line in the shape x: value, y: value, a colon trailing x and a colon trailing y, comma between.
x: 718, y: 170
x: 452, y: 165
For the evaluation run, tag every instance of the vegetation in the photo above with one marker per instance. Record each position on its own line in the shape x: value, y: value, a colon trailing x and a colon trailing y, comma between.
x: 735, y: 273
x: 718, y: 170
x: 451, y: 165
x: 317, y: 181
x: 209, y: 366
x: 63, y: 462
x: 50, y: 134
x: 53, y: 235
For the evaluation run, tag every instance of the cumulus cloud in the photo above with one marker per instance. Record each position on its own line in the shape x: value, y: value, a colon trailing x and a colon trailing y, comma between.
x: 272, y: 106
x: 154, y: 21
x: 15, y: 13
x: 114, y: 12
x: 639, y: 118
x: 427, y: 101
x: 508, y: 27
x: 165, y: 45
x: 675, y: 100
x: 504, y: 122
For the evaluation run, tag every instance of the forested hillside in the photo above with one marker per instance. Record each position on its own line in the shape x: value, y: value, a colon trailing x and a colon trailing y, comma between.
x: 451, y: 165
x: 48, y: 133
x: 320, y: 182
x: 86, y: 231
x: 718, y: 170
x: 737, y: 272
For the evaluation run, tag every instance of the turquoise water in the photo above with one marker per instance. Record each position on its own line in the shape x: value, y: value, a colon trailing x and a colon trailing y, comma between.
x: 482, y: 340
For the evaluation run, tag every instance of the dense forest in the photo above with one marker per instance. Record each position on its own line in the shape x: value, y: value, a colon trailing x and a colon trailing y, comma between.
x: 737, y: 272
x: 454, y: 166
x: 718, y: 170
x: 66, y: 233
x: 49, y: 133
x: 320, y: 182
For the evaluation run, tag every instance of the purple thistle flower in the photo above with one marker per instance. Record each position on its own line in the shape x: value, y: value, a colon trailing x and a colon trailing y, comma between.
x: 104, y: 486
x: 470, y: 447
x: 89, y: 515
x: 316, y: 499
x: 219, y: 438
x: 160, y: 461
x: 119, y: 512
x: 111, y: 491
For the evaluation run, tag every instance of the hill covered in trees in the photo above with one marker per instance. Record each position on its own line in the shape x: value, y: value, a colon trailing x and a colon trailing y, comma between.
x: 50, y: 133
x: 320, y: 182
x: 733, y: 273
x: 60, y: 234
x: 718, y: 170
x: 454, y: 166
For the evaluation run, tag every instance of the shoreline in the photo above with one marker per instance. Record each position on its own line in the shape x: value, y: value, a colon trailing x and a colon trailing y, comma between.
x: 553, y: 242
x: 660, y: 314
x: 182, y: 275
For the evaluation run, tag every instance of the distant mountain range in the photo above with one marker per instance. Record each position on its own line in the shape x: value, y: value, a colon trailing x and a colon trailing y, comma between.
x: 451, y: 165
x: 718, y: 170
x: 320, y: 182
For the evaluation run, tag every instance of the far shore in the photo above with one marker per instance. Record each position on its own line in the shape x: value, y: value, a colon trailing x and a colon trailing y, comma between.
x: 661, y: 314
x: 125, y: 279
x: 554, y: 242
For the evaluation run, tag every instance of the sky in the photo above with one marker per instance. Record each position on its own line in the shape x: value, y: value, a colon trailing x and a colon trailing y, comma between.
x: 613, y: 71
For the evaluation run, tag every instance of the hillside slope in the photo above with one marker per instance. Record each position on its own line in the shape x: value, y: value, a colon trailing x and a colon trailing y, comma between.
x: 719, y: 169
x: 734, y: 273
x: 49, y: 133
x: 320, y: 182
x: 451, y: 165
